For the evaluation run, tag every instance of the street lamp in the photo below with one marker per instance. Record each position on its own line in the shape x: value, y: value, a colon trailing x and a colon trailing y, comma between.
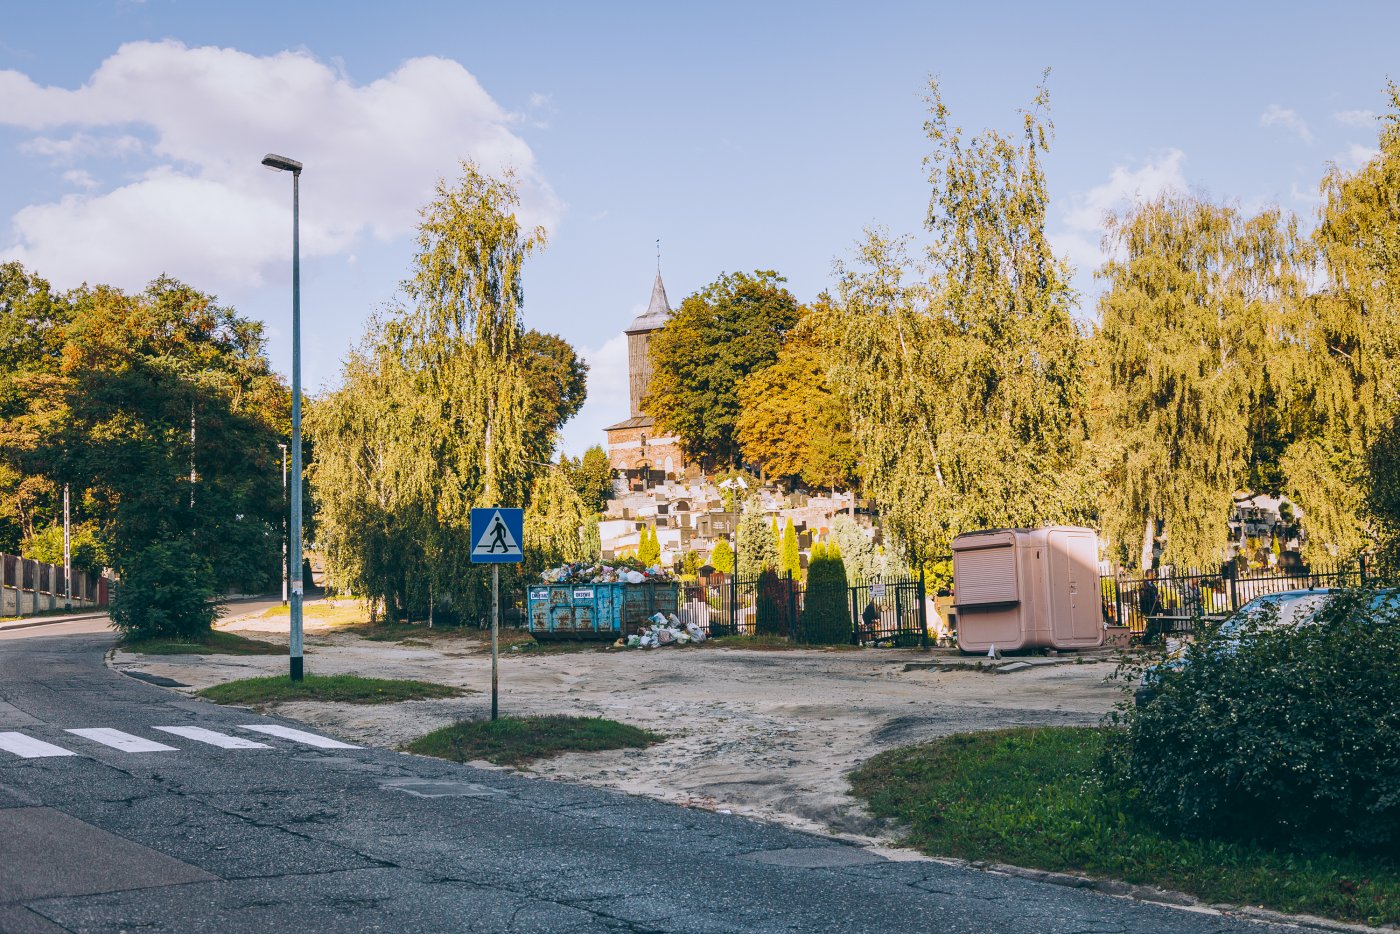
x: 283, y: 164
x: 284, y: 522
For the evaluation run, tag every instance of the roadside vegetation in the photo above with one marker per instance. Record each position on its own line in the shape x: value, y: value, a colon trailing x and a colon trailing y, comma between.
x: 347, y: 689
x: 1262, y: 767
x: 517, y: 741
x: 1036, y: 798
x: 214, y: 642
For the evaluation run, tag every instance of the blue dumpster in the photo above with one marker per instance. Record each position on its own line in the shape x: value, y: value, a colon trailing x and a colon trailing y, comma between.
x: 597, y: 611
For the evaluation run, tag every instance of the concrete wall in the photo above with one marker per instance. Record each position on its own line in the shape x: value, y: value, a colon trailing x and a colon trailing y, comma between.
x: 28, y: 587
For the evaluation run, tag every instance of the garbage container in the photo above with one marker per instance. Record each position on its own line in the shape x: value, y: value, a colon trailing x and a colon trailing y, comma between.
x: 597, y: 611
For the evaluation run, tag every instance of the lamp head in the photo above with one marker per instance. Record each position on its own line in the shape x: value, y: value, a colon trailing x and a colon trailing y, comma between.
x: 281, y: 163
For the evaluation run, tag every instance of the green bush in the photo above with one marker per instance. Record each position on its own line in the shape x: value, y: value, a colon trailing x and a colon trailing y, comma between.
x: 826, y: 609
x: 166, y: 590
x: 773, y: 604
x: 1274, y: 734
x: 86, y: 551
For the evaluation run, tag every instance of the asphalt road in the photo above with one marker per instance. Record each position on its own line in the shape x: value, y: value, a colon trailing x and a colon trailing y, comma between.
x: 276, y: 834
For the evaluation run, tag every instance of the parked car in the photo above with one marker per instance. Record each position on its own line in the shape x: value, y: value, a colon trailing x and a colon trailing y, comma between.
x: 1292, y: 608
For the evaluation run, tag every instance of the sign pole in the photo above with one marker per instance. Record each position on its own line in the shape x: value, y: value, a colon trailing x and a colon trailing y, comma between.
x: 495, y: 631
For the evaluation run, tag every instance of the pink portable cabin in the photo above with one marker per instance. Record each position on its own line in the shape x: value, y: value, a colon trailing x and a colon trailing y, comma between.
x: 1027, y: 588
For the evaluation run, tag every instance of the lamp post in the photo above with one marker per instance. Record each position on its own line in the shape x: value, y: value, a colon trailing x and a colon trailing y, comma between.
x: 284, y: 522
x: 283, y: 164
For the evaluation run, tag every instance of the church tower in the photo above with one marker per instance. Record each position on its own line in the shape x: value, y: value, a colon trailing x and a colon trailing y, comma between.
x: 639, y: 337
x: 633, y: 446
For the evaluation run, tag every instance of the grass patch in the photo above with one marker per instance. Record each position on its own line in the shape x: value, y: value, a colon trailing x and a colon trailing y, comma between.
x: 519, y: 740
x: 217, y: 642
x: 1032, y: 797
x: 339, y: 613
x: 349, y: 689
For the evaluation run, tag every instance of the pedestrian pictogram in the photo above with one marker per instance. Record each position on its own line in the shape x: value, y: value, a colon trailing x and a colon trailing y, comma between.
x: 496, y: 535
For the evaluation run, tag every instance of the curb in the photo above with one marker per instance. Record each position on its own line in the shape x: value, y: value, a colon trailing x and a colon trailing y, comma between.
x: 51, y: 622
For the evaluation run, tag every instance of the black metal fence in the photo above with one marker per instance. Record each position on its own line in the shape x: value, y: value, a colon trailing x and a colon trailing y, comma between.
x: 1178, y: 601
x: 889, y: 611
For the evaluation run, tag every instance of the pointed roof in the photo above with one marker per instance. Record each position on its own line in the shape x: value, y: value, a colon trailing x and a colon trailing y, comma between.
x: 657, y: 313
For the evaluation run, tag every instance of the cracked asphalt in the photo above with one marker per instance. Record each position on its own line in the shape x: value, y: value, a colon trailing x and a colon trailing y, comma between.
x: 293, y: 838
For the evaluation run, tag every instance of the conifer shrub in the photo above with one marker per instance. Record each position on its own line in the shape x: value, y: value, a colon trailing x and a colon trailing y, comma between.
x: 826, y: 614
x: 773, y: 605
x: 1285, y: 735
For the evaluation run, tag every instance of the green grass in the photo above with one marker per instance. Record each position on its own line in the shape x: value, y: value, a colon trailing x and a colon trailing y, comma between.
x: 216, y: 642
x: 1032, y: 798
x: 518, y: 740
x: 350, y: 689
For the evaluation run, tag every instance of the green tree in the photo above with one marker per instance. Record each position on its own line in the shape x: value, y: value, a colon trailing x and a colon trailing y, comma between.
x: 32, y: 320
x: 1343, y: 382
x: 554, y: 523
x: 85, y: 548
x: 962, y: 376
x: 789, y: 559
x: 558, y: 382
x: 722, y: 558
x: 826, y: 610
x: 790, y: 424
x: 649, y: 549
x: 164, y: 420
x: 758, y: 547
x: 731, y: 328
x: 434, y: 415
x: 592, y: 478
x: 1189, y: 327
x: 773, y: 605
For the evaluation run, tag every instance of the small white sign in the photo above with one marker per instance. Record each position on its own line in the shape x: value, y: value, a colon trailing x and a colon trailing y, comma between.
x: 539, y: 595
x: 585, y: 593
x: 877, y: 591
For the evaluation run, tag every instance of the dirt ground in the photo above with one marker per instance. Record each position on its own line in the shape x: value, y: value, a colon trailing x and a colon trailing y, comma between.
x: 767, y: 734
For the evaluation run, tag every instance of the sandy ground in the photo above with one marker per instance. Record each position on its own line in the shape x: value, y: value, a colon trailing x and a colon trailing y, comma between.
x: 767, y: 734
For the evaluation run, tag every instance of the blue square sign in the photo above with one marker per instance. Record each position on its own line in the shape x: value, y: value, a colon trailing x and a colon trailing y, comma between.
x: 497, y: 535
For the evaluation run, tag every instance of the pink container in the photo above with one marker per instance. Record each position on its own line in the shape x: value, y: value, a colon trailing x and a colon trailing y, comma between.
x: 1027, y: 588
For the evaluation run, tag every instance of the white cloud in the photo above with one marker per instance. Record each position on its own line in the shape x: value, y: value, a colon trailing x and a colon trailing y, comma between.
x: 1355, y: 156
x: 1356, y: 118
x: 539, y: 100
x: 609, y: 400
x: 1125, y: 187
x: 81, y: 178
x: 1288, y: 119
x: 204, y: 209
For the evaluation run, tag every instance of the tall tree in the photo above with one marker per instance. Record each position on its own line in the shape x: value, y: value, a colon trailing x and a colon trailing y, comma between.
x: 1194, y: 311
x: 789, y: 558
x: 722, y: 558
x: 592, y: 478
x: 1344, y: 381
x: 165, y: 417
x: 790, y: 424
x: 554, y: 522
x: 758, y: 547
x: 733, y: 327
x: 558, y: 382
x: 435, y: 413
x: 962, y: 376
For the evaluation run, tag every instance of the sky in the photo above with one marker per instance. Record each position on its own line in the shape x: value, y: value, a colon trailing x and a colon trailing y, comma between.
x: 742, y: 136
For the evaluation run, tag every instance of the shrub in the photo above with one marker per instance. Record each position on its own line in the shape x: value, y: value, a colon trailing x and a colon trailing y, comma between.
x: 826, y: 611
x: 166, y: 590
x: 1276, y: 734
x: 773, y: 603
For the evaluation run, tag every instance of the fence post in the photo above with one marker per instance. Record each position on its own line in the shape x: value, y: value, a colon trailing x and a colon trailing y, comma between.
x: 1234, y: 595
x: 1361, y: 562
x: 923, y: 611
x: 734, y: 601
x: 855, y: 619
x: 792, y: 607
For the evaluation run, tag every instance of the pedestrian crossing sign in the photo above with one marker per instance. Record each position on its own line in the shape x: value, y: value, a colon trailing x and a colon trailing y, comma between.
x: 496, y: 535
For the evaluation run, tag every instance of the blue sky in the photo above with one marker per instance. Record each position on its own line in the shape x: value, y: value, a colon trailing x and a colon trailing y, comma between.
x: 743, y: 136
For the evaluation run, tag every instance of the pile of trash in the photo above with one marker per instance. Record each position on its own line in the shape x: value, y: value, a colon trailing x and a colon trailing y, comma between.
x: 597, y: 573
x: 664, y: 630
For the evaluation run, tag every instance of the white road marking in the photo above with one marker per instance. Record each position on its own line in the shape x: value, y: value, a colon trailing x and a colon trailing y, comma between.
x: 200, y: 735
x: 300, y: 736
x: 122, y: 741
x: 26, y: 747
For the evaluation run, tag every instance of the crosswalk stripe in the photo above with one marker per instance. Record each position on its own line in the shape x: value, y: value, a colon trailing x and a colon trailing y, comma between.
x: 300, y: 736
x: 122, y: 741
x: 26, y: 747
x: 200, y: 735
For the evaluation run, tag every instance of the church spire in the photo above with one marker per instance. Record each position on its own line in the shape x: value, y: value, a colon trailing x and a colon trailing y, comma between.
x: 658, y: 309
